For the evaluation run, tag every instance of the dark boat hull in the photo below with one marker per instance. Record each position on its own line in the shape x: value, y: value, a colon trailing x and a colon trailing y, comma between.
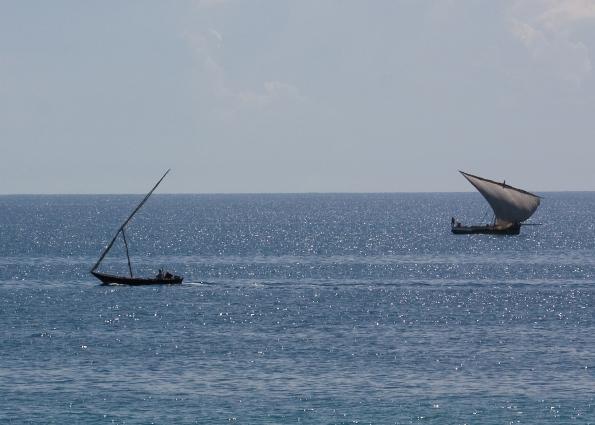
x: 488, y: 229
x: 108, y: 279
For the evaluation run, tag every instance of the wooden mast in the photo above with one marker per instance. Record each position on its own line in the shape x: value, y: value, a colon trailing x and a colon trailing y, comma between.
x: 121, y: 228
x: 127, y: 254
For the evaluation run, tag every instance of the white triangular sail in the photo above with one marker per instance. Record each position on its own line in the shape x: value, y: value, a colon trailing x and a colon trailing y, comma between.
x: 510, y: 205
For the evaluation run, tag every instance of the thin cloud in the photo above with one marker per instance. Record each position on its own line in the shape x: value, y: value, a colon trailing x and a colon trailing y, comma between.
x: 206, y: 46
x: 272, y: 92
x: 216, y: 34
x: 545, y: 28
x: 560, y: 14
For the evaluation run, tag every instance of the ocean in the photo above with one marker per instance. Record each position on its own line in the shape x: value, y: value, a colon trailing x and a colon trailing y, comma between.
x: 297, y: 309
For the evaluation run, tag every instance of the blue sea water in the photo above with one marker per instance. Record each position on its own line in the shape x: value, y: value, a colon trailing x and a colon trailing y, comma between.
x: 309, y: 309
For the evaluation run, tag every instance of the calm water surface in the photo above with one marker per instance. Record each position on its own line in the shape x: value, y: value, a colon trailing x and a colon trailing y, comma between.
x: 314, y: 309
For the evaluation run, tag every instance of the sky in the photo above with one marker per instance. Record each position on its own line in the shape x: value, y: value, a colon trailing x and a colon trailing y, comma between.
x: 251, y: 96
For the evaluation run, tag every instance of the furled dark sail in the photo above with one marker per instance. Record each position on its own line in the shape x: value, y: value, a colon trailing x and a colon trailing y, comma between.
x: 106, y: 278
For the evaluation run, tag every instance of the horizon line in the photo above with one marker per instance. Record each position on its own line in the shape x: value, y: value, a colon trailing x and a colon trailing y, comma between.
x: 270, y: 193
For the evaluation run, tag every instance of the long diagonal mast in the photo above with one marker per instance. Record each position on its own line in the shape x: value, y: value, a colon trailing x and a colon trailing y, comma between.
x: 104, y: 253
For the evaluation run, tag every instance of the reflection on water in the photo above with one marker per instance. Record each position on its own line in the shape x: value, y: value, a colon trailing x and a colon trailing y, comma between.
x: 309, y: 308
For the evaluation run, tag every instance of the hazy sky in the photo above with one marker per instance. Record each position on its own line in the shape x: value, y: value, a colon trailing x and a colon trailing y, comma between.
x: 295, y: 96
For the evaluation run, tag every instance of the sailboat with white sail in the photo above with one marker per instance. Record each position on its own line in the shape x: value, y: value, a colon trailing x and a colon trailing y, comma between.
x: 511, y: 206
x: 106, y: 278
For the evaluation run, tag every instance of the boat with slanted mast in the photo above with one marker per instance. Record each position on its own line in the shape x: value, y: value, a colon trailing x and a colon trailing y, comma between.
x: 106, y: 278
x: 511, y: 206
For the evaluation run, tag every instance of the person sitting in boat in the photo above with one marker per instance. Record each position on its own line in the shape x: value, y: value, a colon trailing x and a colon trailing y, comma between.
x: 160, y: 274
x: 168, y: 275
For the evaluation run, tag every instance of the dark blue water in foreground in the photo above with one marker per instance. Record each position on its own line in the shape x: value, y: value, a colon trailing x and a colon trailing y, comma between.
x: 314, y: 309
